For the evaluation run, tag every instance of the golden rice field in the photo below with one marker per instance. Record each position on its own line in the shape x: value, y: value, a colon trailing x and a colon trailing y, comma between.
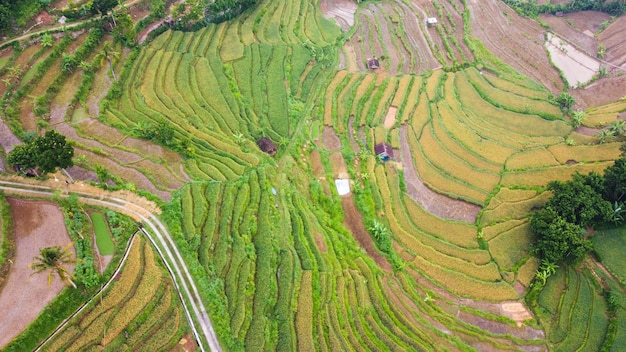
x: 284, y: 262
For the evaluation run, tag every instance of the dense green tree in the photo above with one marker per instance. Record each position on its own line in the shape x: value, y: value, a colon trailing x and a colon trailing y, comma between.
x: 222, y: 10
x: 23, y: 156
x: 53, y: 151
x: 103, y: 7
x: 565, y: 100
x: 615, y: 181
x: 579, y: 201
x: 124, y: 31
x: 43, y: 154
x: 157, y: 8
x: 561, y: 240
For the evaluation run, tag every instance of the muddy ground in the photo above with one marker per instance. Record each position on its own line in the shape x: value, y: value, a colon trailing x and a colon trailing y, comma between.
x: 38, y: 224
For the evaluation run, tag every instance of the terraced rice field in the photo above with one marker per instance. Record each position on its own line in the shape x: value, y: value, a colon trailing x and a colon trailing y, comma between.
x: 284, y: 264
x: 139, y: 311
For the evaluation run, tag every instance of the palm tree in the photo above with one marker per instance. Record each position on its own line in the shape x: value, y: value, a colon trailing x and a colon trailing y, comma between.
x: 54, y: 259
x: 617, y: 127
x: 47, y: 40
x: 548, y: 266
x: 108, y: 55
x: 239, y: 138
x: 603, y: 135
x: 543, y: 275
x: 577, y: 118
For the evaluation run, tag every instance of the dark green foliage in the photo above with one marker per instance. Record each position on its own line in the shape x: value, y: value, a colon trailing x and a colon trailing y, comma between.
x: 157, y: 8
x: 223, y: 10
x: 580, y: 201
x: 565, y: 100
x: 124, y: 31
x: 102, y: 7
x: 615, y: 181
x: 559, y: 240
x: 585, y: 201
x: 44, y: 153
x: 532, y: 9
x: 23, y: 156
x: 53, y: 151
x: 17, y: 13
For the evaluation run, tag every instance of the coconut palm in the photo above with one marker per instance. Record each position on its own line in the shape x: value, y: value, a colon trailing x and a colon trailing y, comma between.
x: 107, y: 54
x: 54, y: 259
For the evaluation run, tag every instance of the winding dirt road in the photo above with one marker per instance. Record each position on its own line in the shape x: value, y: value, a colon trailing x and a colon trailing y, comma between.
x: 194, y: 308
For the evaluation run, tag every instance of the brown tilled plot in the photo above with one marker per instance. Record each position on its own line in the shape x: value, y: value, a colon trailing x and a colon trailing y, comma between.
x: 37, y: 225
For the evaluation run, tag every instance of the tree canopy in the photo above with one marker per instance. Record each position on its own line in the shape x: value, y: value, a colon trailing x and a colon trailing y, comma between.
x: 615, y: 181
x: 580, y: 201
x: 103, y: 6
x: 43, y: 154
x: 559, y: 240
x: 591, y: 200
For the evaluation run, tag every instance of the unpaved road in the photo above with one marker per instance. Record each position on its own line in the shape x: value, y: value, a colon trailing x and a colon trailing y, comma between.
x: 164, y: 244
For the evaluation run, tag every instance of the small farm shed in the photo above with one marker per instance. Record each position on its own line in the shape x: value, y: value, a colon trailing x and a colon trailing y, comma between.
x: 372, y: 63
x: 431, y: 21
x: 383, y: 151
x: 267, y: 145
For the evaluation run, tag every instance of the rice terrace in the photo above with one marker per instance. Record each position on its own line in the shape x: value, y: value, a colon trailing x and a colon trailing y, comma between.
x: 312, y: 175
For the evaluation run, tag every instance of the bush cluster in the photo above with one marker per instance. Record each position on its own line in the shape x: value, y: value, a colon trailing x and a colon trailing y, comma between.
x: 586, y: 201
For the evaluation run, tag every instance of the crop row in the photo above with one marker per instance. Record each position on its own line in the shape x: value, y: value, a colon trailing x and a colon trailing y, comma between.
x: 580, y: 318
x: 474, y: 264
x: 512, y: 204
x: 439, y: 180
x: 137, y: 302
x: 505, y: 121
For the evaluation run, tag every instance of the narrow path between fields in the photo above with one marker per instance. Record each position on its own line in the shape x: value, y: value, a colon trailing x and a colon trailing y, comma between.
x: 158, y: 235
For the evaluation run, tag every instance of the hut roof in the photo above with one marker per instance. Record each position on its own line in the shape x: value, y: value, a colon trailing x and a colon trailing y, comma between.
x: 267, y: 145
x: 384, y: 150
x: 373, y: 63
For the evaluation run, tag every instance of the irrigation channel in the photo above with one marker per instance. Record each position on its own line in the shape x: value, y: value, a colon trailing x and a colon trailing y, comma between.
x: 162, y: 241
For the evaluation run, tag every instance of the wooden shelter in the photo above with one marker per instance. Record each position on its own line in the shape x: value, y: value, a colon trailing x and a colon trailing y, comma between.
x: 372, y: 63
x: 267, y: 146
x: 383, y: 151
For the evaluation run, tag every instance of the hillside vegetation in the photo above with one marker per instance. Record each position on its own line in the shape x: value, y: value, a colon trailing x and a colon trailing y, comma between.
x: 430, y: 251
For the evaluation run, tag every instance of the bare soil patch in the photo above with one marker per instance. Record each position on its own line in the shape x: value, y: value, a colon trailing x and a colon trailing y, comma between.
x: 316, y: 163
x: 320, y: 243
x: 341, y: 10
x: 339, y: 166
x: 330, y: 139
x: 438, y: 204
x: 601, y: 92
x: 354, y: 222
x: 615, y: 42
x: 575, y: 33
x: 38, y: 224
x: 390, y: 117
x: 516, y: 40
x: 7, y: 139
